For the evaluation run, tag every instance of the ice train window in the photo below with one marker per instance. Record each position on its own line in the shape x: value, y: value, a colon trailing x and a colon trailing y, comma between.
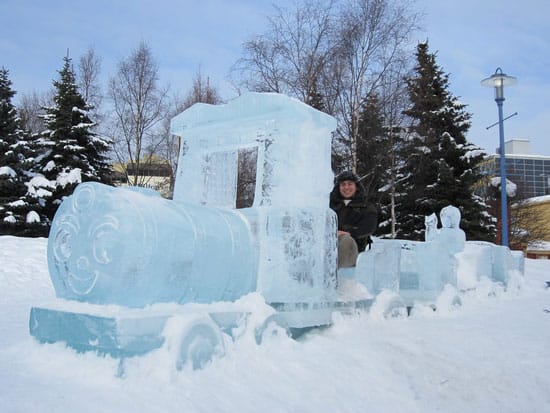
x: 220, y: 171
x: 246, y: 177
x: 230, y: 178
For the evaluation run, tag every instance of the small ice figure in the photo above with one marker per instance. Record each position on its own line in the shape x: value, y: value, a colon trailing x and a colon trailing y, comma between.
x: 450, y: 217
x: 426, y: 267
x: 430, y: 223
x: 450, y: 235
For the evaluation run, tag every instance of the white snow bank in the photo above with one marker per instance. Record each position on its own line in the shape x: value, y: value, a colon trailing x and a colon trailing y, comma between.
x: 489, y: 354
x: 6, y: 170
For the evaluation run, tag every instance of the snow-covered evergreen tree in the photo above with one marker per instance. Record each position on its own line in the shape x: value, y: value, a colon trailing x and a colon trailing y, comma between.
x: 17, y: 216
x: 373, y: 148
x: 71, y: 152
x: 378, y: 158
x: 439, y: 165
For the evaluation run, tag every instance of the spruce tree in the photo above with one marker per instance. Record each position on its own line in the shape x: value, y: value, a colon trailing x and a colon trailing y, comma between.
x: 378, y: 151
x: 72, y: 151
x: 373, y: 148
x: 439, y: 164
x: 17, y: 216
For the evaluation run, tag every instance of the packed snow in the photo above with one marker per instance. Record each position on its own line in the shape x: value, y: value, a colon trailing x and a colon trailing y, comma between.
x: 489, y: 354
x: 6, y: 170
x: 511, y: 187
x: 538, y: 200
x: 539, y: 245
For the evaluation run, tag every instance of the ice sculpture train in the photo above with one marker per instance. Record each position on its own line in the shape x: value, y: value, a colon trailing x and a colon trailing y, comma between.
x: 250, y: 215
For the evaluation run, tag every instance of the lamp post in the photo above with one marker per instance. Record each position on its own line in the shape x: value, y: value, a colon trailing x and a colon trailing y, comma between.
x: 498, y: 80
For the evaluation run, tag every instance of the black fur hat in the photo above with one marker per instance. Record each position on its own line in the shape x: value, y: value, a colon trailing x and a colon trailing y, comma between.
x: 346, y: 176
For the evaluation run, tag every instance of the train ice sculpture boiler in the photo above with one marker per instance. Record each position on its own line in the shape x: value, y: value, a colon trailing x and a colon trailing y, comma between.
x: 250, y: 215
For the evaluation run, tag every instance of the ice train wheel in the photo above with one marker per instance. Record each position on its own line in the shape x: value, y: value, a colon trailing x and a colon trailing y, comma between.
x: 389, y: 304
x: 200, y: 341
x: 273, y: 326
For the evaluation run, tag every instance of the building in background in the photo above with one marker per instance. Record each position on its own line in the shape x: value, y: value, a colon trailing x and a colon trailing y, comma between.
x: 155, y: 174
x: 528, y: 188
x: 530, y: 173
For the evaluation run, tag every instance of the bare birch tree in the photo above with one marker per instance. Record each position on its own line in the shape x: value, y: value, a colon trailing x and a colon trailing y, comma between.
x: 201, y: 92
x: 291, y: 56
x: 31, y: 110
x: 89, y: 69
x: 394, y: 101
x: 373, y: 34
x: 139, y: 106
x: 337, y: 50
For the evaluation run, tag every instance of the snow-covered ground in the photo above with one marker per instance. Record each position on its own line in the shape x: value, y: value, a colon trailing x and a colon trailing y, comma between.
x: 492, y: 354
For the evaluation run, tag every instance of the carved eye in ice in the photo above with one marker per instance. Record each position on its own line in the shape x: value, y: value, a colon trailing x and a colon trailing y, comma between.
x: 72, y: 263
x: 84, y: 198
x: 62, y: 239
x: 102, y: 237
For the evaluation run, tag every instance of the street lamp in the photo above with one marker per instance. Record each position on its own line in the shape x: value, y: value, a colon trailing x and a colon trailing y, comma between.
x: 498, y: 80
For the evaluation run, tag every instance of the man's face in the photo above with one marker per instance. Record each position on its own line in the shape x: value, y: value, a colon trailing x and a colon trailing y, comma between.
x: 347, y: 189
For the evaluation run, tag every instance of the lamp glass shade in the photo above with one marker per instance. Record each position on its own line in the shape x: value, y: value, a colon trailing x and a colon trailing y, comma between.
x: 499, y: 80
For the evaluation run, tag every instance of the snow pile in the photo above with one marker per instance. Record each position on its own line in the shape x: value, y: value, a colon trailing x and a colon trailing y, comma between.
x: 539, y: 245
x: 6, y: 170
x: 488, y: 354
x: 511, y: 188
x: 538, y: 200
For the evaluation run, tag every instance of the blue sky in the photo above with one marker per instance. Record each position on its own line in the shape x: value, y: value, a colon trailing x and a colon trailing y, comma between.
x: 471, y: 37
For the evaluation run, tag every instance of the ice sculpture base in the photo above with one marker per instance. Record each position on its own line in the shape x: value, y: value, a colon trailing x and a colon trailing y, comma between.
x: 123, y: 333
x: 116, y: 336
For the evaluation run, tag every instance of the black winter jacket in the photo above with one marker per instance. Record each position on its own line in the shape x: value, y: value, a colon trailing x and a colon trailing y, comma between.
x: 359, y: 217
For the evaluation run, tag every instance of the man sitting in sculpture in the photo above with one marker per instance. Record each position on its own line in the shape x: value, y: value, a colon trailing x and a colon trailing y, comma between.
x: 357, y: 218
